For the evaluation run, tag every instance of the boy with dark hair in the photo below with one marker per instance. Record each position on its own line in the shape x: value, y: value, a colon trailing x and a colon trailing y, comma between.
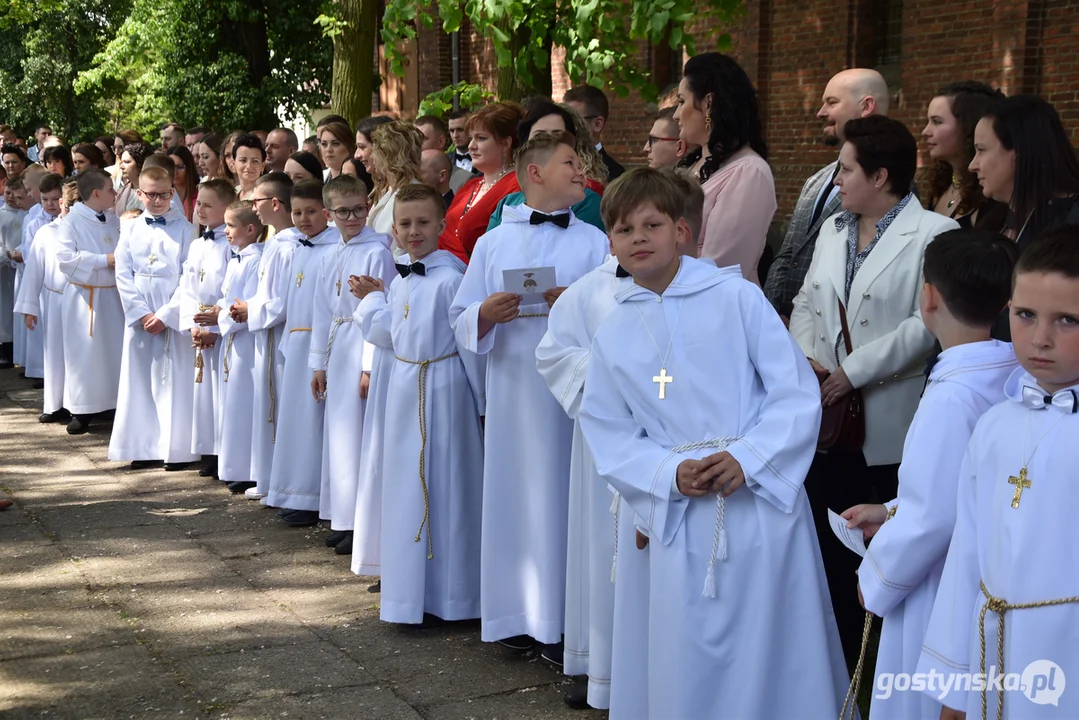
x: 296, y: 470
x: 50, y: 189
x: 12, y: 218
x: 710, y: 460
x: 562, y: 359
x: 153, y: 409
x: 591, y: 104
x: 967, y: 282
x: 1011, y: 555
x: 540, y: 248
x: 92, y: 357
x: 457, y: 128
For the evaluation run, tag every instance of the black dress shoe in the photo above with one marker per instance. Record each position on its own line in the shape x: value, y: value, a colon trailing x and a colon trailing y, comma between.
x: 46, y: 418
x: 335, y: 537
x: 144, y: 464
x: 176, y: 467
x: 38, y: 384
x: 211, y: 468
x: 285, y: 511
x: 576, y: 698
x: 61, y: 416
x: 79, y: 424
x: 518, y: 642
x: 345, y: 546
x: 301, y: 518
x: 239, y: 487
x: 553, y: 653
x: 377, y: 588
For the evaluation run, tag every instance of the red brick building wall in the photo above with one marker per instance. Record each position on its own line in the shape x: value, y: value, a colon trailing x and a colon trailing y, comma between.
x: 791, y: 49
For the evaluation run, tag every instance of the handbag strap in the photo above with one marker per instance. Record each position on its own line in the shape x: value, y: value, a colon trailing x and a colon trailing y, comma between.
x: 846, y: 330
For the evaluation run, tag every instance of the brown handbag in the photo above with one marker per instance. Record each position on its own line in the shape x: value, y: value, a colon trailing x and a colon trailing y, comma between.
x: 842, y: 425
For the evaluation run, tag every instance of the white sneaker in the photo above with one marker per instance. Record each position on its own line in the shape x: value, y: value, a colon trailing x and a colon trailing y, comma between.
x: 253, y: 494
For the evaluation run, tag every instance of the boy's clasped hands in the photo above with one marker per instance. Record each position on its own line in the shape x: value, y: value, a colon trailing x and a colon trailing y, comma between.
x: 717, y: 473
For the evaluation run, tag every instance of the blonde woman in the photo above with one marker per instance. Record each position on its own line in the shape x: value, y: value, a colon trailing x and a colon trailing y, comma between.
x: 394, y: 163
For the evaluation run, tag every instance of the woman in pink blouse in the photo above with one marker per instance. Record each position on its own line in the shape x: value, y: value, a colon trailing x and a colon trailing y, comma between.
x: 718, y: 110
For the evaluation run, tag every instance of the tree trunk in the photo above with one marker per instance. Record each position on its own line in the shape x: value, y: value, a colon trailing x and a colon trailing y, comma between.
x: 354, y: 59
x: 509, y: 85
x: 254, y: 42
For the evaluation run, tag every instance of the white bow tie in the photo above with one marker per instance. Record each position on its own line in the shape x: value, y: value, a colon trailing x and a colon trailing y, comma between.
x: 1036, y: 399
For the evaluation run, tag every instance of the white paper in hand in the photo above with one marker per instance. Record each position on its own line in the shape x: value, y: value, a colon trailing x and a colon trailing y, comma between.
x: 852, y: 538
x: 529, y: 283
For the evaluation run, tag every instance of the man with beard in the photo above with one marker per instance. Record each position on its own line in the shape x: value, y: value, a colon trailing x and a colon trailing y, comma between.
x: 854, y: 93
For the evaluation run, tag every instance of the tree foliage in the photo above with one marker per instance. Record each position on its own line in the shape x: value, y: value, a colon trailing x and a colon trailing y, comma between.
x: 601, y: 37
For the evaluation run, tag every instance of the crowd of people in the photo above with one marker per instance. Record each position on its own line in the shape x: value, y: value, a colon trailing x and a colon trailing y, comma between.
x: 584, y: 404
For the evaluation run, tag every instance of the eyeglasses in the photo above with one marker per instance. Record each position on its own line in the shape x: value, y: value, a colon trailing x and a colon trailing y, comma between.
x: 156, y: 196
x: 346, y: 213
x: 263, y: 199
x: 652, y: 140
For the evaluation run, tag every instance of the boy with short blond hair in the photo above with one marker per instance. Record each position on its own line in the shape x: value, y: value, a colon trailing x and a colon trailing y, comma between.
x: 702, y: 413
x: 153, y: 412
x: 431, y: 510
x: 528, y: 436
x: 204, y: 275
x: 296, y: 470
x: 1011, y: 556
x: 341, y: 361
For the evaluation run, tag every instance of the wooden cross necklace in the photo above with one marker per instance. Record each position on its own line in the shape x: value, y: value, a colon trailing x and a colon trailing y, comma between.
x: 663, y: 378
x: 1021, y: 481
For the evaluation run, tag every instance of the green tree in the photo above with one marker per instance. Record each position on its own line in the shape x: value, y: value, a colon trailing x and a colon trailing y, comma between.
x: 352, y: 28
x: 601, y: 37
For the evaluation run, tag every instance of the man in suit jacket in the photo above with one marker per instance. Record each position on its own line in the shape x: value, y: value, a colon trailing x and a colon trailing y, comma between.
x: 436, y: 137
x: 850, y: 94
x: 591, y: 104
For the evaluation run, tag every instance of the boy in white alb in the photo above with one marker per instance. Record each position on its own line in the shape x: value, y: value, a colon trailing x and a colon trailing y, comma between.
x: 528, y: 436
x: 562, y: 359
x: 703, y: 414
x: 296, y: 471
x: 339, y: 357
x: 12, y: 217
x: 236, y: 387
x: 41, y: 303
x: 45, y: 193
x: 432, y: 494
x: 153, y: 410
x: 1008, y: 602
x: 204, y: 275
x: 264, y: 314
x: 93, y: 315
x: 967, y: 284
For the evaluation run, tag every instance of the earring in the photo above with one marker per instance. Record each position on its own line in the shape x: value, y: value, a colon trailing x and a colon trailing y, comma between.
x: 708, y: 120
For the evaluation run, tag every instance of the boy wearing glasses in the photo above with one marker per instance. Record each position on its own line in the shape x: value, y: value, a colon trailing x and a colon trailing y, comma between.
x: 341, y: 361
x: 664, y: 147
x: 154, y: 403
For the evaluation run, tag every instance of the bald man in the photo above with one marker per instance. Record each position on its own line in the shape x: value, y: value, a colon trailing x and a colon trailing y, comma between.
x: 851, y: 94
x: 436, y: 169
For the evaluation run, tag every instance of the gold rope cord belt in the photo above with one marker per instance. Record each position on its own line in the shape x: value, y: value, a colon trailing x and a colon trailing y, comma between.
x: 299, y: 330
x: 228, y: 351
x: 199, y: 363
x: 1000, y: 606
x: 524, y: 315
x: 270, y: 383
x: 91, y: 288
x: 421, y: 380
x: 334, y: 327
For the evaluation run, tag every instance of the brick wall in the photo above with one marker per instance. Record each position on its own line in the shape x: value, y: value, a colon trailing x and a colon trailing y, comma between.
x: 791, y: 49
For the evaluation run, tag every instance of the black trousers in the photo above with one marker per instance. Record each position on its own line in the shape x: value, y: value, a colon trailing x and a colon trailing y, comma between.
x: 838, y: 481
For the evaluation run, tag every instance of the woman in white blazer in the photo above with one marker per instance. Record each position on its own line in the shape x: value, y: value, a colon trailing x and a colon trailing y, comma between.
x: 869, y: 259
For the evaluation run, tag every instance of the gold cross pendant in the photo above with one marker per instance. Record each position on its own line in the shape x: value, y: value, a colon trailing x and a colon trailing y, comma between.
x: 406, y: 311
x: 152, y: 258
x: 338, y: 288
x: 662, y: 379
x: 202, y: 275
x: 1020, y: 483
x: 299, y: 279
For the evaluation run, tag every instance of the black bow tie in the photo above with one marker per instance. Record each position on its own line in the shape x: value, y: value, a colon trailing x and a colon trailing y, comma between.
x: 462, y: 156
x: 306, y: 243
x: 621, y: 272
x: 539, y: 218
x: 209, y: 234
x: 416, y: 267
x: 235, y: 255
x: 151, y: 220
x: 101, y: 217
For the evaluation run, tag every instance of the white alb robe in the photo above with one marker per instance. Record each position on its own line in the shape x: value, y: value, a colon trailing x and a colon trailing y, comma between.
x: 901, y: 570
x: 41, y: 294
x: 265, y: 322
x: 1023, y: 554
x: 296, y: 471
x: 527, y: 443
x: 367, y: 544
x: 562, y: 360
x: 204, y: 274
x: 236, y: 389
x: 430, y: 520
x: 30, y: 344
x: 11, y: 223
x: 93, y: 316
x: 153, y: 410
x: 337, y: 347
x: 739, y: 622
